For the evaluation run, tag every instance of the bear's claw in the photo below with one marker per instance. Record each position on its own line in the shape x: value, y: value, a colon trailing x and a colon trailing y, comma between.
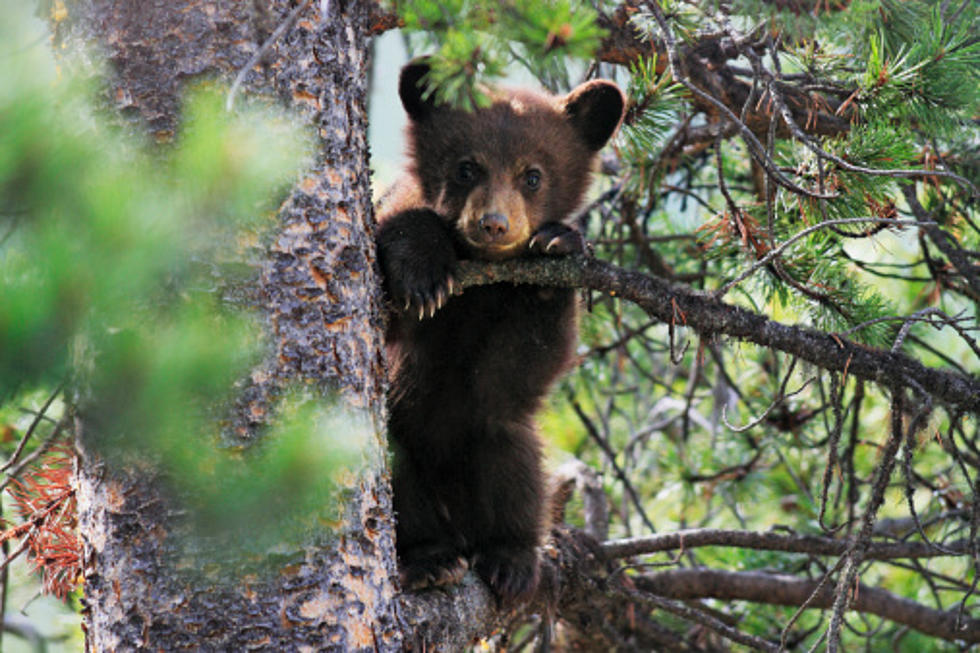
x: 556, y: 239
x: 433, y: 571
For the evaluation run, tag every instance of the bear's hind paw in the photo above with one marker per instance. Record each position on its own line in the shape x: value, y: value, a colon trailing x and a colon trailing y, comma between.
x: 435, y: 570
x: 511, y: 572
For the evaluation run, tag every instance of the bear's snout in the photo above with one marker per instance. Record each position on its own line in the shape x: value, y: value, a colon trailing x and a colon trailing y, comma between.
x: 494, y: 225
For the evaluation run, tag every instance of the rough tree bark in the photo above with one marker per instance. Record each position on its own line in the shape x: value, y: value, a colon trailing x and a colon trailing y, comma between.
x: 320, y: 294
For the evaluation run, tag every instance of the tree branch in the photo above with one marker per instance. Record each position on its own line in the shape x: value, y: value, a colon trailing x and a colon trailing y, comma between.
x: 597, y: 608
x: 580, y: 588
x: 779, y: 589
x: 771, y: 541
x: 452, y: 616
x: 709, y: 318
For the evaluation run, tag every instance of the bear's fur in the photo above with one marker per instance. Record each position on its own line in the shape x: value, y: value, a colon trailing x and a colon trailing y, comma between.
x: 469, y: 371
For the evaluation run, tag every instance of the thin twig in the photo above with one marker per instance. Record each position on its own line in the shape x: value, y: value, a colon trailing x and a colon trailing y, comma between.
x: 836, y: 397
x: 702, y: 618
x: 861, y: 543
x: 945, y: 242
x: 773, y: 253
x: 261, y: 52
x: 611, y: 457
x: 30, y: 429
x: 780, y: 398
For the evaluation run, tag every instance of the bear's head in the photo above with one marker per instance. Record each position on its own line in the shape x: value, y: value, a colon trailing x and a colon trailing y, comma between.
x: 499, y: 172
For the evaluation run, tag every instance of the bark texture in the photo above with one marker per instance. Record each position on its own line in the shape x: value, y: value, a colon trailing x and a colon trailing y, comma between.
x: 320, y: 294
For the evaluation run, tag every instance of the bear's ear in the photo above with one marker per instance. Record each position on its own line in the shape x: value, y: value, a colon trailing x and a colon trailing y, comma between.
x: 410, y: 91
x: 595, y: 109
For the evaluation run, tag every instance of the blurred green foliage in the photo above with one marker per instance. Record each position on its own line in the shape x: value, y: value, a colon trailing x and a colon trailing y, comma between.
x: 115, y: 263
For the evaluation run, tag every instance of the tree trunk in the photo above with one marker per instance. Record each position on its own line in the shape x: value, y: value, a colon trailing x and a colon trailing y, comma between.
x: 320, y: 293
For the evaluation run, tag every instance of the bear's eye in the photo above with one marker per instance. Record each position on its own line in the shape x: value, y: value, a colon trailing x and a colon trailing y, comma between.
x: 466, y: 172
x: 533, y: 179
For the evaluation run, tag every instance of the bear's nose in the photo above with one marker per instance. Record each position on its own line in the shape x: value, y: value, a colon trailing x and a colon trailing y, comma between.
x: 494, y: 224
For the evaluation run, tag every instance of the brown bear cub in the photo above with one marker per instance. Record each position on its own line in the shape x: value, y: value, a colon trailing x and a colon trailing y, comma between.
x: 469, y: 370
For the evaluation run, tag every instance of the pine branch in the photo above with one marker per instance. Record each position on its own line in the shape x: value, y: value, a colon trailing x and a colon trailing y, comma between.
x: 706, y: 62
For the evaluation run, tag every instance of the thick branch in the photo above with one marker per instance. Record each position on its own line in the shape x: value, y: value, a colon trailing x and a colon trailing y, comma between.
x: 710, y: 318
x: 452, y: 617
x: 778, y: 589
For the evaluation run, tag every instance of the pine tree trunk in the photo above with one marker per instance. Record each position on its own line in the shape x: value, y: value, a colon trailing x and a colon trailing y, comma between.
x: 320, y: 294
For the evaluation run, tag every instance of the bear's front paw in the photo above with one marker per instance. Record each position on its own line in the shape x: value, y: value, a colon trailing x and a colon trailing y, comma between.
x: 511, y: 572
x: 432, y: 568
x: 421, y: 291
x: 556, y: 239
x: 417, y: 259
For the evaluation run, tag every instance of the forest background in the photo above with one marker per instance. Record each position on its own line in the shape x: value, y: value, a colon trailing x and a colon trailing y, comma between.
x: 776, y: 400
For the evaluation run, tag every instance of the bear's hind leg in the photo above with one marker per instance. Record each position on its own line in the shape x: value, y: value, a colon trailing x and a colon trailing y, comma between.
x: 429, y: 554
x: 511, y: 492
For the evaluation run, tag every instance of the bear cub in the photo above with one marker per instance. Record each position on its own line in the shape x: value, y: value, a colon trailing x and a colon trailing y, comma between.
x: 469, y: 370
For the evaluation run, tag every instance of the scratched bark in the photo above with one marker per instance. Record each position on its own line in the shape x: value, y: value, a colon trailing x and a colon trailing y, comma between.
x: 319, y: 291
